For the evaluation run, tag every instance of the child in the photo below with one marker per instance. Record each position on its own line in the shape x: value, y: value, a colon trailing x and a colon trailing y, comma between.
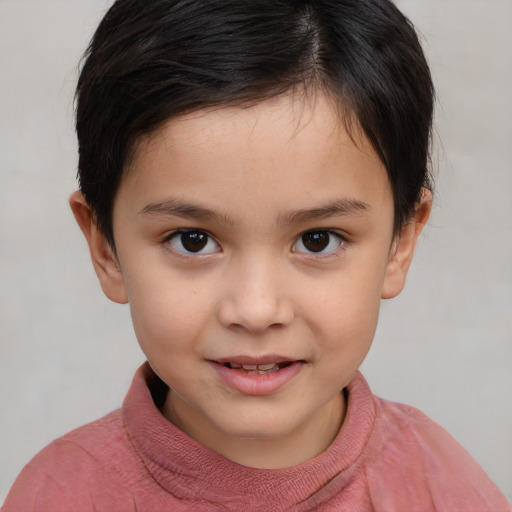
x: 253, y: 180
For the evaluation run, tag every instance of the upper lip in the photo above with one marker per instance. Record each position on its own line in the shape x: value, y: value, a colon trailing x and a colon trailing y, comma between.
x: 256, y: 360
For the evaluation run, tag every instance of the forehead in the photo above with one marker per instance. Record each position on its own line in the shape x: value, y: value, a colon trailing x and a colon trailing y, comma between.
x: 290, y: 152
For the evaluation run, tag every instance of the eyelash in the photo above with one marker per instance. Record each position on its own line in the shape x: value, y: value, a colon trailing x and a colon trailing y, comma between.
x: 208, y: 240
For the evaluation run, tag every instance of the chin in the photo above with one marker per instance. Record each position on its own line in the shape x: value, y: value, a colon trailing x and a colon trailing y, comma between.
x: 264, y: 429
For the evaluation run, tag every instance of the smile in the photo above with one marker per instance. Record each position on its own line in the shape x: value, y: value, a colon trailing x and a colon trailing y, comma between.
x: 252, y: 377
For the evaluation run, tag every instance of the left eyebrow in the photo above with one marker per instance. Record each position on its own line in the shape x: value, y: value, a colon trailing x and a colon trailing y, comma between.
x: 339, y: 207
x: 176, y: 208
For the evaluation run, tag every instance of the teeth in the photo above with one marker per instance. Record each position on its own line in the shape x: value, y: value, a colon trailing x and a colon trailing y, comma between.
x: 255, y: 368
x: 265, y: 367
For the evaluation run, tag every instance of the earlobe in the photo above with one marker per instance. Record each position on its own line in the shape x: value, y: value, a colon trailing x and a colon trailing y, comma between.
x: 403, y: 246
x: 103, y: 257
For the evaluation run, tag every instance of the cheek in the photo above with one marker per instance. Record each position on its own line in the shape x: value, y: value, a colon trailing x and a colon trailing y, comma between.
x: 348, y: 324
x: 168, y: 315
x: 345, y: 312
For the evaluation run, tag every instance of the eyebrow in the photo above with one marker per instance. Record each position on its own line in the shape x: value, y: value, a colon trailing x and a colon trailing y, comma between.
x: 339, y: 207
x: 176, y: 208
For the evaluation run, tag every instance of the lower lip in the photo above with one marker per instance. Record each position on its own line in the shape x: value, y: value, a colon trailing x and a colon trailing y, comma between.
x: 255, y: 383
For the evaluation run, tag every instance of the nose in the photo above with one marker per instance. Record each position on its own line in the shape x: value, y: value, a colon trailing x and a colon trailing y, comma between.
x: 254, y: 298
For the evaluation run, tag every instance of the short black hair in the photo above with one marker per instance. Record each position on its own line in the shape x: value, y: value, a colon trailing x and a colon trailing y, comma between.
x: 152, y: 60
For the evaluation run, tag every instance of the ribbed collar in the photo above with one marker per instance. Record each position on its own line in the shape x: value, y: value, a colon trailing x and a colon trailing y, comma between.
x: 188, y: 470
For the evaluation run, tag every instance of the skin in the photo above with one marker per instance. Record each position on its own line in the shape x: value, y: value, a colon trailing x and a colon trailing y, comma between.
x: 254, y: 181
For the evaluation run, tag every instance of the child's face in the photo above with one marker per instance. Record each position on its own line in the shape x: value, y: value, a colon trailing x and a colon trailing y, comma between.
x: 252, y: 236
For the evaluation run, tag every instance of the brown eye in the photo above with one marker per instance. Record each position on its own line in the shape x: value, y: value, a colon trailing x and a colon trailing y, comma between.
x: 316, y: 241
x: 319, y: 241
x: 193, y: 242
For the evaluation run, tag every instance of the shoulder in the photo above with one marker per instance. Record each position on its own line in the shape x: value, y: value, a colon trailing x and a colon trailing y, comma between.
x: 77, y: 468
x: 423, y: 463
x: 404, y: 427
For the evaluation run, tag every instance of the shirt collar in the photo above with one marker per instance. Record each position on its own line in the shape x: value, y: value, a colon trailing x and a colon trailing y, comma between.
x: 189, y: 470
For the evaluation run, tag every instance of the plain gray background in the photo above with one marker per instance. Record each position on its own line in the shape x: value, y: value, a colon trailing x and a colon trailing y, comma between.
x: 67, y: 355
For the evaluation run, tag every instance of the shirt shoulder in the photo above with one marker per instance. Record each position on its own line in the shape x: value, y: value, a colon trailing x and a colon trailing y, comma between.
x: 77, y: 471
x: 415, y: 460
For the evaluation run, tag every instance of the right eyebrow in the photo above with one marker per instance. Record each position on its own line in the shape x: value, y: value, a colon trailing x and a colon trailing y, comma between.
x: 338, y: 207
x: 175, y: 208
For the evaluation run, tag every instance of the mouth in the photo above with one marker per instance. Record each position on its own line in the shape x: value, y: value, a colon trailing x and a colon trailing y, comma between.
x: 260, y: 369
x: 257, y: 375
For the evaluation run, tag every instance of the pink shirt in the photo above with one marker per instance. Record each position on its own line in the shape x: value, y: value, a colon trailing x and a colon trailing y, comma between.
x: 387, y: 457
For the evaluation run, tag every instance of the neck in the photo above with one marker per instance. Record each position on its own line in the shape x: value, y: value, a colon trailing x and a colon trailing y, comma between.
x: 306, y: 442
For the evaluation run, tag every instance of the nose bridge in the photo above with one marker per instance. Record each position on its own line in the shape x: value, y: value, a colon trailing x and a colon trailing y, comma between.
x: 255, y: 297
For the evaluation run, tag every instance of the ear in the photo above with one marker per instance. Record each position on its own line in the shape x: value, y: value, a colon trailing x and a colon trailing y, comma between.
x: 402, y: 249
x: 103, y: 257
